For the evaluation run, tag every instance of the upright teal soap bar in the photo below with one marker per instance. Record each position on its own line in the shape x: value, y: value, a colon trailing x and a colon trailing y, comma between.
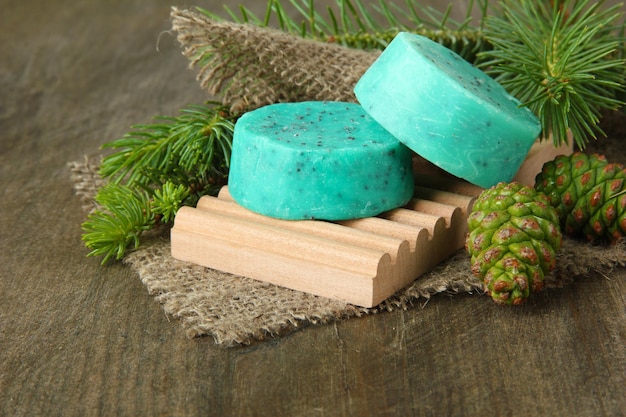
x: 317, y: 160
x: 447, y: 111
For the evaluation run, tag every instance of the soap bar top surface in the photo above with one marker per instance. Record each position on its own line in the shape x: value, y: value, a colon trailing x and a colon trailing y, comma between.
x: 317, y: 160
x: 447, y: 111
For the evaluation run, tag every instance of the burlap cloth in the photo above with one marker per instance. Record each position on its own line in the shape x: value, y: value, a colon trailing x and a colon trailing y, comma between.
x: 248, y: 67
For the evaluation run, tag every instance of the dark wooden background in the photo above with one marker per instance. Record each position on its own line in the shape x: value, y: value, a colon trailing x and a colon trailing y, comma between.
x: 78, y: 339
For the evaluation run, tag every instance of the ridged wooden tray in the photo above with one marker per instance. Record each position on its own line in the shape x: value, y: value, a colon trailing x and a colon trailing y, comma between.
x: 362, y: 261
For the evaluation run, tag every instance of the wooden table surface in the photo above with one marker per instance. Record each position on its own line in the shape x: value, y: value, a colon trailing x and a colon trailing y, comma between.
x: 78, y: 339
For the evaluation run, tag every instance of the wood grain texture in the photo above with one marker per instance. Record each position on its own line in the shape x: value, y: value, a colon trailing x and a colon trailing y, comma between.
x: 359, y: 261
x: 77, y: 339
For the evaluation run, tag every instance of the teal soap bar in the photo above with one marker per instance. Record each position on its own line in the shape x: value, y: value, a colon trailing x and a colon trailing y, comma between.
x: 317, y: 160
x: 447, y: 111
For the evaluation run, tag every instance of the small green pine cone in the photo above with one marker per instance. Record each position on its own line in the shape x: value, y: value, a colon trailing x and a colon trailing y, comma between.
x: 513, y: 240
x: 588, y: 193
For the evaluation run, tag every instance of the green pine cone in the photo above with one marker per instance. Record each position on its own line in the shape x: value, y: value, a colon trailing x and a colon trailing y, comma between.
x: 513, y: 239
x: 588, y: 193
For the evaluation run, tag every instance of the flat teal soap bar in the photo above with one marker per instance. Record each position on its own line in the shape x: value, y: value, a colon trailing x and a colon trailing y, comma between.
x: 447, y: 111
x: 317, y: 160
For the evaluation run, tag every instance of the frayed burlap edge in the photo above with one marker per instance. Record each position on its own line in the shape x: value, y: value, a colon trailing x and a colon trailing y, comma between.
x: 84, y: 175
x: 238, y: 311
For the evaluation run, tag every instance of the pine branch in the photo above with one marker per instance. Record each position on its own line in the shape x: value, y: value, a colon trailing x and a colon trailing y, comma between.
x: 192, y: 148
x: 560, y: 60
x: 354, y: 25
x: 125, y: 215
x: 157, y: 169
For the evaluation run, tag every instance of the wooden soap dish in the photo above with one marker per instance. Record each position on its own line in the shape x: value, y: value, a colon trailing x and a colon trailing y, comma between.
x: 362, y: 261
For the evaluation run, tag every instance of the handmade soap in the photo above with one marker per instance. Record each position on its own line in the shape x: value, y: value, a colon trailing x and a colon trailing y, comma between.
x: 317, y: 160
x: 447, y: 111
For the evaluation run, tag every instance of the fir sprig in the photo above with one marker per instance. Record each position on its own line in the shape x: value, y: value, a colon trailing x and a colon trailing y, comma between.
x: 560, y: 60
x: 156, y: 169
x: 192, y: 148
x: 126, y: 213
x: 169, y: 199
x: 355, y: 25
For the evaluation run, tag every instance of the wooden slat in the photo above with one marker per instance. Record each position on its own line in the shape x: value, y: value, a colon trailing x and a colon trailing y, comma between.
x: 327, y: 230
x: 361, y: 261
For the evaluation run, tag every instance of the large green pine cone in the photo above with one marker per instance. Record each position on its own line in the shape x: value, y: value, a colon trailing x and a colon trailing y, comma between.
x: 588, y: 193
x: 513, y: 240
